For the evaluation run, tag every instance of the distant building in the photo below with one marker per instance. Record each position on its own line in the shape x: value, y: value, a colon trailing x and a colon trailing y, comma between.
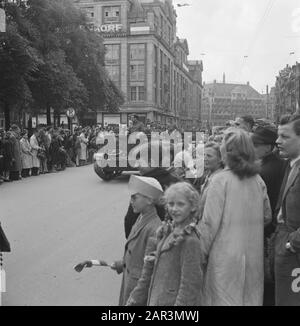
x: 147, y: 61
x: 269, y: 99
x: 287, y: 91
x: 222, y: 102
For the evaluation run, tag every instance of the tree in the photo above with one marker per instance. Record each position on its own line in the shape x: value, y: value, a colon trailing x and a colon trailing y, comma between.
x: 63, y: 27
x: 51, y: 58
x: 18, y: 60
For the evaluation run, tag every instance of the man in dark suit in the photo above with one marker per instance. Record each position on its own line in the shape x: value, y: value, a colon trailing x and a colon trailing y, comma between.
x: 272, y: 166
x: 272, y: 172
x: 287, y: 238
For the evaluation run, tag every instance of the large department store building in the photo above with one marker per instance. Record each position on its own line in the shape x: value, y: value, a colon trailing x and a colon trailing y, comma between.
x: 147, y: 61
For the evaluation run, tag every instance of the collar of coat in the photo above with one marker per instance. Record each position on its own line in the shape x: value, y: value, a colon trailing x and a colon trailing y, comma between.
x: 141, y: 222
x: 174, y: 239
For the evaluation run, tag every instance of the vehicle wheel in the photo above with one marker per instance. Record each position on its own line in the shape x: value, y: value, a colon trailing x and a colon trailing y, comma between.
x: 104, y: 175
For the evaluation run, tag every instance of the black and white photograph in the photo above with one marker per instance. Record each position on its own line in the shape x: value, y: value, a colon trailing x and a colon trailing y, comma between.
x: 149, y: 155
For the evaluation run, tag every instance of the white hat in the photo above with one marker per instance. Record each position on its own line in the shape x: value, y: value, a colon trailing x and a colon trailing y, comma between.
x: 146, y: 186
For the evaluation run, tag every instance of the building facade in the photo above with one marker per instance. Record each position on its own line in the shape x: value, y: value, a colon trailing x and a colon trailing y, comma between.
x: 147, y: 61
x: 222, y: 102
x: 287, y: 91
x: 269, y: 99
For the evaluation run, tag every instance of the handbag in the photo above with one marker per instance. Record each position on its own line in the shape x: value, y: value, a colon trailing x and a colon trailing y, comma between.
x: 4, y: 244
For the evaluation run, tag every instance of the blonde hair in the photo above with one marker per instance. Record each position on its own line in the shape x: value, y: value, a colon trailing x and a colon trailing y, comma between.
x: 240, y: 153
x: 189, y: 193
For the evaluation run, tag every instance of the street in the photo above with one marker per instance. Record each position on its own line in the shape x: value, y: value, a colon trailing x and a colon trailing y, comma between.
x: 54, y: 221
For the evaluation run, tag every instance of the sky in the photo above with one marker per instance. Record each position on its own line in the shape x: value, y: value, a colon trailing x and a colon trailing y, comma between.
x: 248, y: 40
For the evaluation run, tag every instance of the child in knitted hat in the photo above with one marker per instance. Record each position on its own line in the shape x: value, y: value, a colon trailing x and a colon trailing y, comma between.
x: 145, y: 193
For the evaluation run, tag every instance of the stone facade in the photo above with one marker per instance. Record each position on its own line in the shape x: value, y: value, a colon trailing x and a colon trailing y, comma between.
x: 287, y: 91
x: 147, y: 61
x: 223, y: 102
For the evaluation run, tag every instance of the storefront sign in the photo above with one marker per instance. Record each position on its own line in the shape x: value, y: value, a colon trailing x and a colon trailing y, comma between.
x: 110, y: 28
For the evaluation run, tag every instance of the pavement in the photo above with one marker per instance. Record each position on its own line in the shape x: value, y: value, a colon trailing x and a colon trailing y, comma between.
x: 55, y: 221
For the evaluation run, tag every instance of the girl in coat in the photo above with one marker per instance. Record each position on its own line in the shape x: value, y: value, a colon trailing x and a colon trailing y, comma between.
x: 172, y: 274
x: 232, y: 228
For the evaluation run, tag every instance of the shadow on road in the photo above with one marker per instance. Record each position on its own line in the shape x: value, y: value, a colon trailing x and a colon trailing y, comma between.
x: 123, y: 178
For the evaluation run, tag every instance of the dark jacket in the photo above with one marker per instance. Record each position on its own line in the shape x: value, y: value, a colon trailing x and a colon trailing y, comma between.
x: 7, y: 154
x: 16, y: 154
x: 272, y: 172
x: 286, y: 261
x: 165, y: 178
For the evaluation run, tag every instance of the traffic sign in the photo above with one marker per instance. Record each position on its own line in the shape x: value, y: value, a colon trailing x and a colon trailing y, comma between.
x: 70, y: 113
x: 2, y: 21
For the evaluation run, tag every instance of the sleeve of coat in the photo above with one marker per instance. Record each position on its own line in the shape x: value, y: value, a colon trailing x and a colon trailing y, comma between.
x: 139, y: 295
x: 267, y: 205
x: 23, y: 147
x: 191, y: 274
x: 33, y: 144
x: 212, y: 214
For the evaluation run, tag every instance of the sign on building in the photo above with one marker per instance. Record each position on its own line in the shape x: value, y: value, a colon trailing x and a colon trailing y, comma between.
x: 2, y: 21
x: 109, y: 28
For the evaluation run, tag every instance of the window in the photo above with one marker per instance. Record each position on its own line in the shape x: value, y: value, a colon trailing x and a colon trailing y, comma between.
x: 112, y: 62
x: 89, y: 11
x: 141, y: 90
x: 137, y: 93
x: 114, y: 73
x: 112, y: 52
x: 112, y: 14
x: 137, y: 72
x: 137, y: 52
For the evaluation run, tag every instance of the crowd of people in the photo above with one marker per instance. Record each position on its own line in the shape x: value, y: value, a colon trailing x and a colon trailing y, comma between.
x: 46, y: 150
x: 229, y: 236
x: 233, y: 240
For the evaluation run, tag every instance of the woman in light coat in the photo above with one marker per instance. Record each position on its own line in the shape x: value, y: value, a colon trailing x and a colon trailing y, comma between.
x: 35, y: 148
x: 232, y: 228
x: 26, y: 155
x: 83, y: 144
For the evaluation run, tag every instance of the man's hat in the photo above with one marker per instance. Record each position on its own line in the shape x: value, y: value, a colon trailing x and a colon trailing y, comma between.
x: 145, y: 186
x: 266, y: 135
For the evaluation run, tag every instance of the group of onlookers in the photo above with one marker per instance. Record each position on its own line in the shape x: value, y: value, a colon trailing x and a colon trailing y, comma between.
x: 235, y: 241
x: 46, y: 150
